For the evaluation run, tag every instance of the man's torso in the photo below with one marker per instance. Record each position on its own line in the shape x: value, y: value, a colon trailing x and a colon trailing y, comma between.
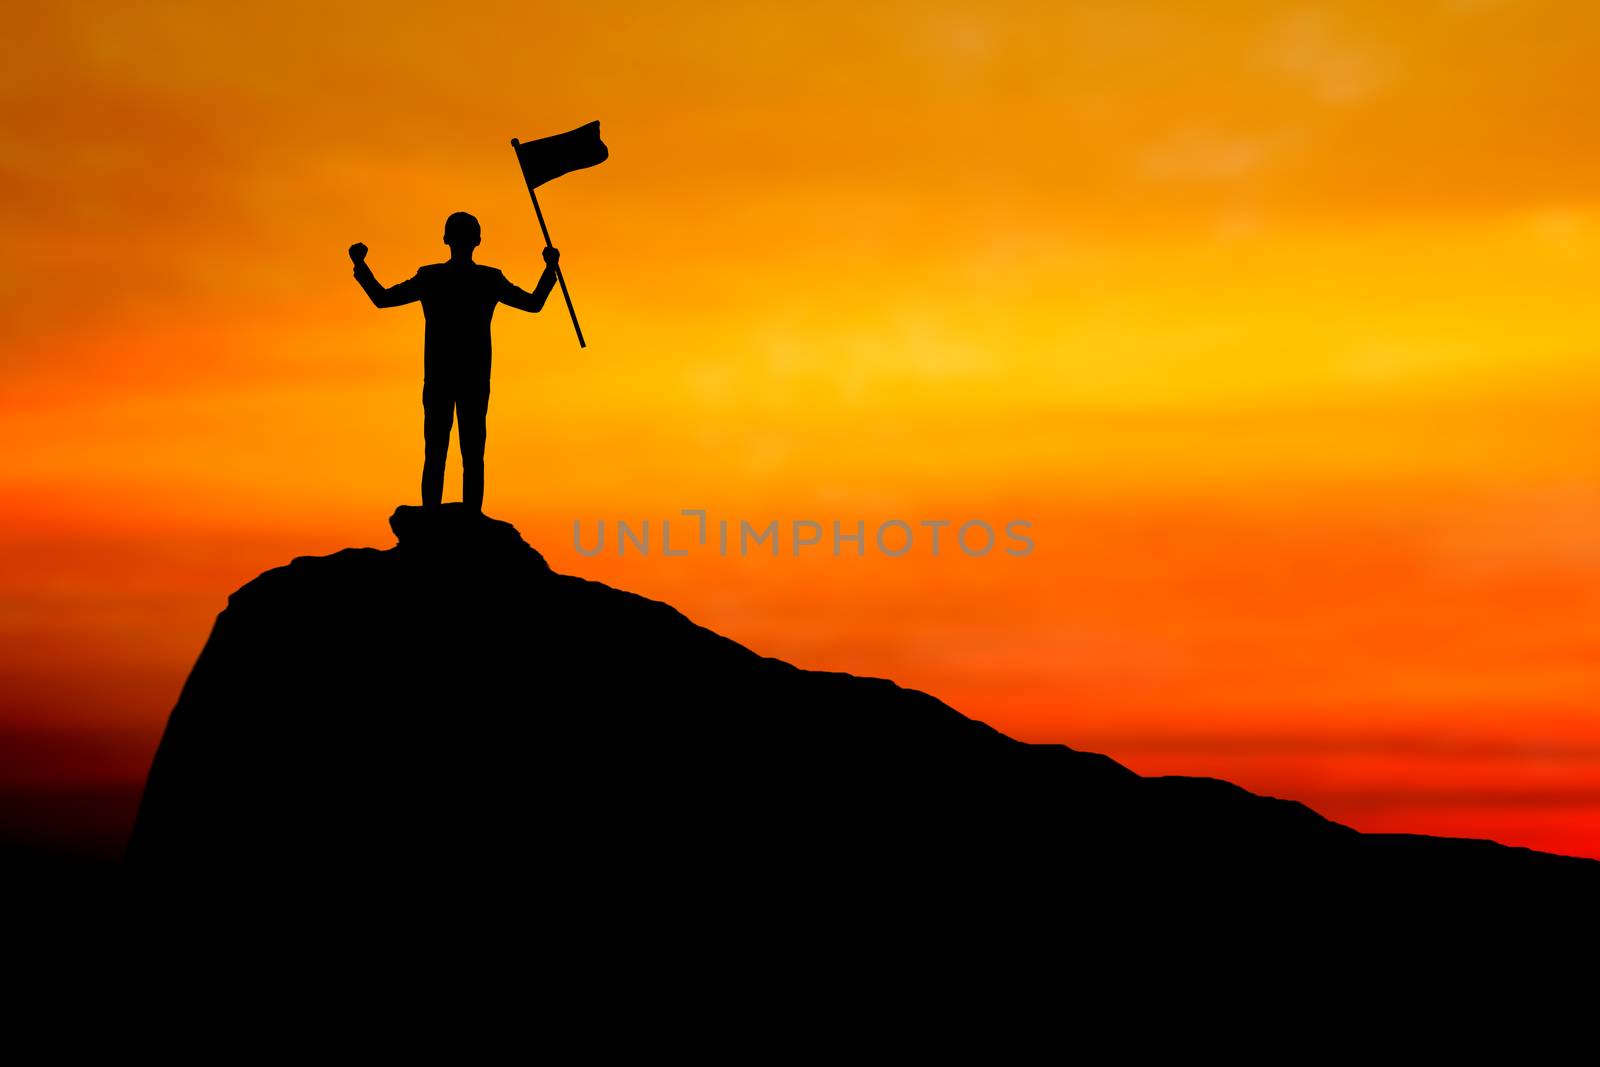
x: 458, y: 302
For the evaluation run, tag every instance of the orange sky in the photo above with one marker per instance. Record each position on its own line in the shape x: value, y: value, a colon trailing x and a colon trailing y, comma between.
x: 1276, y: 321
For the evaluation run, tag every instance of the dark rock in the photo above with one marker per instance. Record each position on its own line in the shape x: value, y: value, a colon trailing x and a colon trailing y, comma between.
x: 452, y: 529
x: 450, y: 713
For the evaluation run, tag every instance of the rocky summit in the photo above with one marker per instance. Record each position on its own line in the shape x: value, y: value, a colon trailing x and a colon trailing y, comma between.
x: 452, y: 712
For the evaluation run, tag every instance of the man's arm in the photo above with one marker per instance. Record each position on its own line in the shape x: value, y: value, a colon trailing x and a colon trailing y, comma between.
x: 516, y: 297
x: 394, y: 296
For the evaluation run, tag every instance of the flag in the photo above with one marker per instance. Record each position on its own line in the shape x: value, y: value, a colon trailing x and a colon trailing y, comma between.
x: 551, y: 157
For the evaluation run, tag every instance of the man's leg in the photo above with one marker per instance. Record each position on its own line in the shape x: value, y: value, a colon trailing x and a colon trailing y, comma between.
x: 437, y: 406
x: 472, y: 409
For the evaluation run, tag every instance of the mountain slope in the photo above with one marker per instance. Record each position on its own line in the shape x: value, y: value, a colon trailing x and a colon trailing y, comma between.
x: 451, y: 709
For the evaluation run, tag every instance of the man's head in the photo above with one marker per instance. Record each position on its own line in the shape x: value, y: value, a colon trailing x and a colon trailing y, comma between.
x: 461, y: 233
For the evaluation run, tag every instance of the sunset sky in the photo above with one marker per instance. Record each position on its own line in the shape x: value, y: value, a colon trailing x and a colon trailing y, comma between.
x: 1277, y: 322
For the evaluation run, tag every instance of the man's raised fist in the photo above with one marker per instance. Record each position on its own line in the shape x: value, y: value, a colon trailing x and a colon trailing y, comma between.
x: 358, y: 253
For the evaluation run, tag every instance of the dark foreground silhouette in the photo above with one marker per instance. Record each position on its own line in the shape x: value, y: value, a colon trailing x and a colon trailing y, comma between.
x: 450, y: 713
x: 458, y: 300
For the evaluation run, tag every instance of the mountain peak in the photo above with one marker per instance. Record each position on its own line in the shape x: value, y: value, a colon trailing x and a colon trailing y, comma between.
x: 452, y: 530
x: 454, y: 708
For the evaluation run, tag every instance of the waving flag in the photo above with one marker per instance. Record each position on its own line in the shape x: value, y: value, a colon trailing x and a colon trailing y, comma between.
x: 551, y: 157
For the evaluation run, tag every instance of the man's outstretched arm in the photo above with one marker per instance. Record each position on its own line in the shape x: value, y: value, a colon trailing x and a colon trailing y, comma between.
x: 404, y: 293
x: 534, y: 301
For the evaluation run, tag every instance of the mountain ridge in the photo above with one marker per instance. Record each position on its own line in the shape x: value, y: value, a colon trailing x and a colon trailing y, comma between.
x: 453, y: 706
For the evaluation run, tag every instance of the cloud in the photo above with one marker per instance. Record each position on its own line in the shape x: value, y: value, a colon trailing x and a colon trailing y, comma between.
x: 1204, y: 156
x: 1337, y: 69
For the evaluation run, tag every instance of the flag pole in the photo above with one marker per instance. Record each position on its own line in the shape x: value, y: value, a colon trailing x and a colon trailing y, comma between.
x: 559, y: 277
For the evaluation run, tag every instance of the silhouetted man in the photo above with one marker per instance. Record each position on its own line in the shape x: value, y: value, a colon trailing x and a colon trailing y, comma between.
x: 458, y: 300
